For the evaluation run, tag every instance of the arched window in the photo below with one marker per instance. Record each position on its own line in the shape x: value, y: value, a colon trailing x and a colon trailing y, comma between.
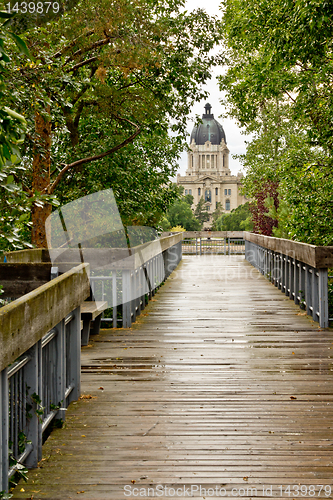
x: 185, y: 191
x: 208, y: 195
x: 227, y: 204
x: 199, y: 191
x: 190, y: 191
x: 216, y: 191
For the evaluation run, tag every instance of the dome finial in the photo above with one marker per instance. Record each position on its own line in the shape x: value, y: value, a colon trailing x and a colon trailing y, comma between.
x: 208, y: 113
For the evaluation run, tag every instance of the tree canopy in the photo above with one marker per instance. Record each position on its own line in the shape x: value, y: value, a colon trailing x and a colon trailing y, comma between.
x: 279, y: 87
x: 102, y: 75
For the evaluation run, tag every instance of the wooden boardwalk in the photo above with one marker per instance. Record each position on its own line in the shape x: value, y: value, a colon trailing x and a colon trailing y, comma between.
x: 222, y: 383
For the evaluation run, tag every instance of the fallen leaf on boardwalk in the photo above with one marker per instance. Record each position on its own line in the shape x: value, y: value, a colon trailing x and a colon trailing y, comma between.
x: 87, y: 396
x: 83, y: 435
x: 292, y: 353
x: 22, y: 489
x: 78, y: 492
x: 133, y: 481
x: 293, y: 397
x: 245, y: 478
x: 101, y: 388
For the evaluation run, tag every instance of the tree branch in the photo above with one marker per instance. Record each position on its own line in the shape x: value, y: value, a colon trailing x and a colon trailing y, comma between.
x: 286, y: 92
x: 81, y: 64
x: 89, y: 159
x: 71, y: 45
x: 84, y: 50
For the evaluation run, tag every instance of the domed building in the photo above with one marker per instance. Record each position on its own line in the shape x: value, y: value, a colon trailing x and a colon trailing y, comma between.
x: 208, y: 174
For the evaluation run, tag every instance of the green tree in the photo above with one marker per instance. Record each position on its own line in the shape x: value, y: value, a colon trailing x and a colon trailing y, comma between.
x: 201, y: 212
x: 180, y: 214
x: 15, y: 204
x: 133, y: 65
x: 279, y: 87
x: 239, y: 219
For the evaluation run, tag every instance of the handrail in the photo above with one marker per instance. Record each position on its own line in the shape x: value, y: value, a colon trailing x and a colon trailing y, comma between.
x: 319, y: 257
x: 40, y: 364
x: 298, y: 269
x: 107, y: 256
x: 208, y: 234
x: 25, y: 321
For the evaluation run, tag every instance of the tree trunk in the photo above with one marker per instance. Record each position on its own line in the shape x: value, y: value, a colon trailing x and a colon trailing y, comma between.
x: 41, y: 168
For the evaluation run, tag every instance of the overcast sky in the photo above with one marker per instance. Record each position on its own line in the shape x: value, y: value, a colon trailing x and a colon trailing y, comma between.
x: 235, y: 140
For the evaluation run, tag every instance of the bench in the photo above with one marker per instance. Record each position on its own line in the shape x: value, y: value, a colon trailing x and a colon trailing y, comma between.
x: 91, y: 311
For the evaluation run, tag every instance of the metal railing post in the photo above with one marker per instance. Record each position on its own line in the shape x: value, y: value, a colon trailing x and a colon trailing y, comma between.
x: 34, y: 378
x: 323, y: 297
x: 126, y: 289
x: 74, y: 374
x: 60, y: 363
x: 4, y: 435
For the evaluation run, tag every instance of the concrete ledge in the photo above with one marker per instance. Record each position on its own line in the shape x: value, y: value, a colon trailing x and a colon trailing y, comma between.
x: 316, y: 256
x: 213, y: 234
x: 98, y: 258
x: 27, y: 319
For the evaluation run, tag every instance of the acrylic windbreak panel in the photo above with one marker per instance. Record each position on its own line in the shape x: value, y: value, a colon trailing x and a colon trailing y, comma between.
x: 90, y: 230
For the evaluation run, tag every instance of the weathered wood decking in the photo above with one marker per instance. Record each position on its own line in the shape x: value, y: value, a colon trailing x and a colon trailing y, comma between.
x: 222, y: 382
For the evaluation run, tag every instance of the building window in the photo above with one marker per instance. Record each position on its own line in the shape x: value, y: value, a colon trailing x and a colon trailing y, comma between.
x: 190, y: 191
x: 227, y: 205
x: 208, y: 195
x: 192, y: 160
x: 208, y: 207
x: 229, y: 192
x: 216, y: 204
x: 203, y: 161
x: 207, y: 161
x: 199, y: 191
x: 225, y: 192
x: 185, y: 191
x: 216, y: 191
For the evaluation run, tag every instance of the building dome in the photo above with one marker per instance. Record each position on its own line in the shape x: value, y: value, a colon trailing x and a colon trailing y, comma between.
x: 209, y: 130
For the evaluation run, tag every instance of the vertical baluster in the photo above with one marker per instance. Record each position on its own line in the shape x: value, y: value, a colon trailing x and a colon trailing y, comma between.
x: 315, y: 294
x: 308, y: 289
x: 323, y: 297
x: 126, y: 289
x: 114, y: 298
x: 296, y: 282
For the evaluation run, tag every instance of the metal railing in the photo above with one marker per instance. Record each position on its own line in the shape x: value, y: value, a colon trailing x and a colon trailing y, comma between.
x: 40, y: 372
x: 299, y: 270
x: 213, y: 246
x: 128, y: 290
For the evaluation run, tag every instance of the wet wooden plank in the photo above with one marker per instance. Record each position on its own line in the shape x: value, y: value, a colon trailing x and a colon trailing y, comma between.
x: 222, y: 382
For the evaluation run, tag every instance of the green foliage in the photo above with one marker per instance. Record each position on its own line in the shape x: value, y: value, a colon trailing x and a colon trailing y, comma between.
x: 104, y: 75
x: 201, y: 212
x: 279, y: 87
x: 239, y: 219
x: 15, y: 200
x: 180, y: 213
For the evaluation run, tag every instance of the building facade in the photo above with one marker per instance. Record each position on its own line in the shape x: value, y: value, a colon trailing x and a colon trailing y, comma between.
x: 208, y: 174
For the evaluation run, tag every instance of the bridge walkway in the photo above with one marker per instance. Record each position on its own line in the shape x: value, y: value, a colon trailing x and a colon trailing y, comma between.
x: 222, y: 383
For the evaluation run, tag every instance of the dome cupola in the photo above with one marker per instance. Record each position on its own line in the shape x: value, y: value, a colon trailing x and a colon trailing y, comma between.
x: 209, y: 130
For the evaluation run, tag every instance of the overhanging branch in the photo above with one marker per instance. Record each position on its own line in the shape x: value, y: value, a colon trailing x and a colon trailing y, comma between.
x: 89, y: 159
